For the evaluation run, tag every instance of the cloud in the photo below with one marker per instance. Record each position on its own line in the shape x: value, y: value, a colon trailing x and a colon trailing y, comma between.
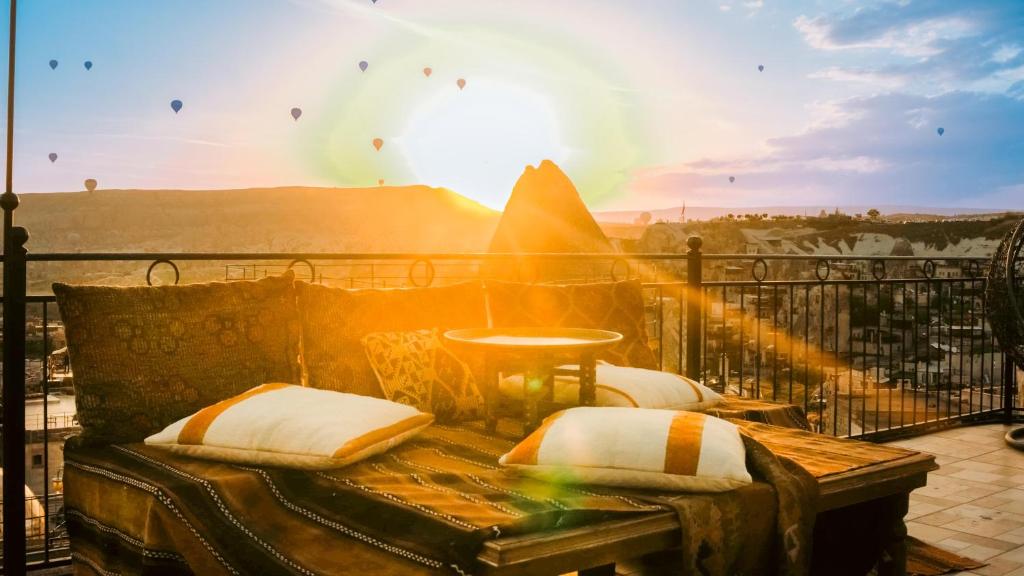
x: 912, y: 39
x: 1016, y: 90
x: 939, y: 44
x: 751, y: 7
x: 887, y: 149
x: 861, y: 76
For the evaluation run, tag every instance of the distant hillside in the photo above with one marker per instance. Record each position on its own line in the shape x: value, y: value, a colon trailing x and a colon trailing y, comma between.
x: 385, y: 219
x: 891, y: 212
x: 834, y: 234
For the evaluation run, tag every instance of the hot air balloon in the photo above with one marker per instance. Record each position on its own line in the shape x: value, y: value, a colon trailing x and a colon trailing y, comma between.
x: 296, y: 112
x: 88, y: 64
x: 364, y: 65
x: 941, y: 131
x: 760, y: 67
x: 53, y: 64
x: 90, y: 184
x: 53, y: 156
x: 176, y: 106
x: 732, y: 179
x: 427, y: 71
x: 461, y: 82
x: 377, y: 143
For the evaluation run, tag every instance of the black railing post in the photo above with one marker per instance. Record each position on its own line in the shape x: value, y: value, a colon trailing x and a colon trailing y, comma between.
x: 14, y: 396
x: 13, y: 393
x: 694, y: 306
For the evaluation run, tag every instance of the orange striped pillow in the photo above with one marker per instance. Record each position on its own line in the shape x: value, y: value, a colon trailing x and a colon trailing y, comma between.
x: 627, y: 387
x: 635, y: 447
x: 293, y: 427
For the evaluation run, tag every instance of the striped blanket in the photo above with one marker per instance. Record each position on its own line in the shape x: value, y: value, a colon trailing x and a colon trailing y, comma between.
x: 776, y: 414
x: 425, y: 507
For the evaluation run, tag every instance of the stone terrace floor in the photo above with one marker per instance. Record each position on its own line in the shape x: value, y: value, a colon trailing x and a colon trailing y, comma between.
x: 974, y: 503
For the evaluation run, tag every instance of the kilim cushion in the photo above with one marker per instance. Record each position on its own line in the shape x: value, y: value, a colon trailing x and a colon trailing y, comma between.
x: 636, y: 447
x: 616, y: 306
x: 415, y: 368
x: 335, y: 320
x: 628, y: 387
x: 144, y: 357
x: 293, y: 427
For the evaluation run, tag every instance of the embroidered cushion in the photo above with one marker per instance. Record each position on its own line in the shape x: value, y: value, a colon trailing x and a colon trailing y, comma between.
x: 616, y: 306
x: 292, y: 427
x: 335, y: 320
x: 144, y: 357
x: 635, y: 447
x: 628, y: 387
x: 415, y: 368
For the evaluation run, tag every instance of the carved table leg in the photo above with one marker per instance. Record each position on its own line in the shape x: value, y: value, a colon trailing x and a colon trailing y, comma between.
x: 491, y: 393
x: 894, y: 545
x: 588, y: 379
x: 535, y: 388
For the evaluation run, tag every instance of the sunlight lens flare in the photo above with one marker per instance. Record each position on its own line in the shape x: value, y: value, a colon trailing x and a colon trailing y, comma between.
x: 477, y: 142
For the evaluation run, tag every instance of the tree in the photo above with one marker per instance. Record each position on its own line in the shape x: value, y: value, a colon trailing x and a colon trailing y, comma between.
x: 874, y: 214
x: 644, y: 219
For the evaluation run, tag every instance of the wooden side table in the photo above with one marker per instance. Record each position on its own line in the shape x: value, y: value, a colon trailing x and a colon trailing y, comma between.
x: 536, y: 353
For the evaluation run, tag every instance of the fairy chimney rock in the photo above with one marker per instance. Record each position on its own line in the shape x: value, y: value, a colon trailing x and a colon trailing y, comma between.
x: 546, y: 214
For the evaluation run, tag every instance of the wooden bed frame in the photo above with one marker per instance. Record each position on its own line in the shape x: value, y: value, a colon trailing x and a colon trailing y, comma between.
x: 595, y: 549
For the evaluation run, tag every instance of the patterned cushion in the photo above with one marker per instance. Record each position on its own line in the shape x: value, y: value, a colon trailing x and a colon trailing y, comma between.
x: 415, y: 368
x: 335, y: 320
x: 616, y: 306
x: 292, y: 427
x: 144, y: 357
x: 635, y: 447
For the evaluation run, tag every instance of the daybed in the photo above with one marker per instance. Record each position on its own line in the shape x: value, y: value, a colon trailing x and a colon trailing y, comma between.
x: 145, y: 357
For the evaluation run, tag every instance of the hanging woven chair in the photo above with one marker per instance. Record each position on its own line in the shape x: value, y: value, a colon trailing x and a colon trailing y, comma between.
x: 1005, y: 296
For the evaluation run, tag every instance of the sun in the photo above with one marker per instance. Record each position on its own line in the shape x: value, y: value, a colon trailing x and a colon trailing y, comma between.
x: 478, y: 140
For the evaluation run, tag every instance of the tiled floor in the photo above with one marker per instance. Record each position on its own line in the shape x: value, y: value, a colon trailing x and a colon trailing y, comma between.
x: 974, y: 504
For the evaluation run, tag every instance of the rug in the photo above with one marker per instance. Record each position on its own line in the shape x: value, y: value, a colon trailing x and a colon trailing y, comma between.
x: 923, y: 559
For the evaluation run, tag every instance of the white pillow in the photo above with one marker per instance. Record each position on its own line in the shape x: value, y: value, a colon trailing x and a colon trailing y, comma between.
x: 634, y: 447
x: 628, y: 387
x: 293, y: 427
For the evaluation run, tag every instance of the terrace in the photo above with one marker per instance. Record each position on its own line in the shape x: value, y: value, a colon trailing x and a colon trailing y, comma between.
x: 879, y: 353
x: 973, y: 502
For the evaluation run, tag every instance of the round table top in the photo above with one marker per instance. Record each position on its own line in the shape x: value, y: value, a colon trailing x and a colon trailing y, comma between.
x: 534, y: 339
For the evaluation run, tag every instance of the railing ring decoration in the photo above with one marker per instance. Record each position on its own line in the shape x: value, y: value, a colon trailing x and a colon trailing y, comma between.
x: 312, y: 269
x: 822, y: 270
x: 878, y: 270
x: 525, y: 264
x: 972, y: 269
x: 615, y: 266
x: 428, y: 268
x: 928, y: 269
x: 149, y: 271
x: 759, y: 265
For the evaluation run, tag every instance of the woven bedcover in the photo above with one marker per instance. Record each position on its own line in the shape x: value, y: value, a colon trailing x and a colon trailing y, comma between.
x: 425, y: 507
x: 776, y: 414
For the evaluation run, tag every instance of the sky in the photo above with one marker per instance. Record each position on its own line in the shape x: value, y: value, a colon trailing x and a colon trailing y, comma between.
x: 643, y: 104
